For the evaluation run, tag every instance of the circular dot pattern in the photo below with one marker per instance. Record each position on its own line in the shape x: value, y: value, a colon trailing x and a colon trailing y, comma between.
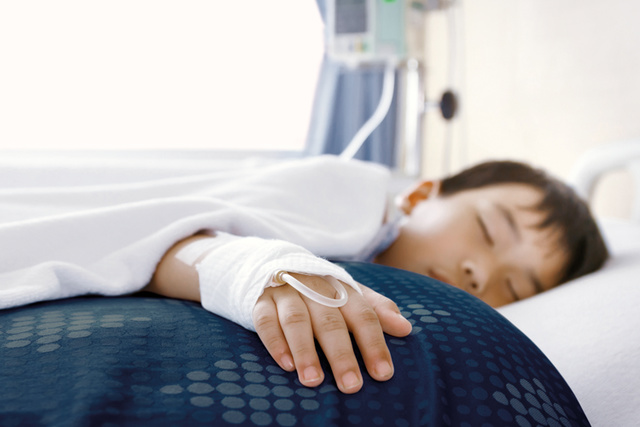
x: 164, y: 362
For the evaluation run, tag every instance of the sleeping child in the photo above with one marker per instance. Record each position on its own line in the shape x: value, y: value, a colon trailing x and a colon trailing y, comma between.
x: 502, y: 231
x: 253, y: 245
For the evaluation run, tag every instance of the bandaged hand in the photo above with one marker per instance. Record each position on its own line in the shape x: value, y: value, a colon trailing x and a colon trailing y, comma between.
x: 288, y: 323
x: 240, y: 278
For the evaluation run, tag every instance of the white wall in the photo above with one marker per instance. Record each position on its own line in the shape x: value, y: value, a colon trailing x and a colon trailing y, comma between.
x: 540, y: 81
x: 157, y: 74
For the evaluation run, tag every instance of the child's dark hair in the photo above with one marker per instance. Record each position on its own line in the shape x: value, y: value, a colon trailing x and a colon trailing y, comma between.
x: 564, y: 210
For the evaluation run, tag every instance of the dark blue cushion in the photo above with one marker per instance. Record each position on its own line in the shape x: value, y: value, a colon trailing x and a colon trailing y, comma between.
x: 147, y: 360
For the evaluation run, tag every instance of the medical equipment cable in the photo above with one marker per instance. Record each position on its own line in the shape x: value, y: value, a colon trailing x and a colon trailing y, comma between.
x: 448, y: 137
x: 388, y: 87
x: 462, y: 84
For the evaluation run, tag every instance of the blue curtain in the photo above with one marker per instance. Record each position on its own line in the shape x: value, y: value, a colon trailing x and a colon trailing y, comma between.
x: 344, y: 100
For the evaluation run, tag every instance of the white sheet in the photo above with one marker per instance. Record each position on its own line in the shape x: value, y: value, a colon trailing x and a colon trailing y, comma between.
x: 590, y: 330
x: 69, y: 239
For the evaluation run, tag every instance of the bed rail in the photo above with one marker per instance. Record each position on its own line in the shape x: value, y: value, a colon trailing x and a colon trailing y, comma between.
x: 621, y: 155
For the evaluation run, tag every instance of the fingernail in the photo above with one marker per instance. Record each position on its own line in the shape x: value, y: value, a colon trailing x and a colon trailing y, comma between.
x: 350, y: 380
x: 311, y: 374
x: 384, y: 369
x: 287, y: 362
x: 405, y: 319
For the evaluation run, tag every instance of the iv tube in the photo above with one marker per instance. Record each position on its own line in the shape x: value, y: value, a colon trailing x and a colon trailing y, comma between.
x: 379, y: 114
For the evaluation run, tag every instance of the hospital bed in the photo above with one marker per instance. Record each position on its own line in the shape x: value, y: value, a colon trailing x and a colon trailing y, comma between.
x: 143, y: 360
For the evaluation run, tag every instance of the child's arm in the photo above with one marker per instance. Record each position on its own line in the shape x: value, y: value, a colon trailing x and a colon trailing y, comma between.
x: 174, y: 278
x: 288, y: 322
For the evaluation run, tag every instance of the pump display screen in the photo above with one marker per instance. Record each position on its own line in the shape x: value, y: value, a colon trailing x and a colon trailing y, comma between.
x: 351, y: 16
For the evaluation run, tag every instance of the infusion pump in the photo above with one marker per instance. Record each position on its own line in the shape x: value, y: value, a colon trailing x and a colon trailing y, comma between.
x: 375, y: 31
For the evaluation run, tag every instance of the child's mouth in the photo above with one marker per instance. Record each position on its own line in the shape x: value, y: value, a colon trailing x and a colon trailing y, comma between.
x: 434, y: 275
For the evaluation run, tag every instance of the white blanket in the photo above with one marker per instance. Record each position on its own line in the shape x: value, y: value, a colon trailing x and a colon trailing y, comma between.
x: 63, y: 239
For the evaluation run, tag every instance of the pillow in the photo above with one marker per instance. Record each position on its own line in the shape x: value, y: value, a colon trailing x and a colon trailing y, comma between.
x: 589, y: 329
x: 148, y: 360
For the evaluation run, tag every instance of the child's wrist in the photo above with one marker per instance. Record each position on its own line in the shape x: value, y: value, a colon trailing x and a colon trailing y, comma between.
x: 236, y: 270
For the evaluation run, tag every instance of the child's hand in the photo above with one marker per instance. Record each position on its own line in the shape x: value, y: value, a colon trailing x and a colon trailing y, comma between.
x: 287, y: 323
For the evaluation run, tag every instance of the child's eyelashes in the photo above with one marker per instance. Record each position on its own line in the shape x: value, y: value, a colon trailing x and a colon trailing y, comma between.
x: 485, y: 231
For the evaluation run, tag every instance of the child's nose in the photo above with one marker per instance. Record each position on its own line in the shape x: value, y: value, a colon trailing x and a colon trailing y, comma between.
x: 474, y: 277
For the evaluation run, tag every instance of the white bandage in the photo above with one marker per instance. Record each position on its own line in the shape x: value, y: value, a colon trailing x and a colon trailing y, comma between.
x: 236, y: 270
x: 190, y: 253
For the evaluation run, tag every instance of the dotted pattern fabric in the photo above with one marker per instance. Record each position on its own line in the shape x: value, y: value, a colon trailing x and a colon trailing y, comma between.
x: 144, y: 360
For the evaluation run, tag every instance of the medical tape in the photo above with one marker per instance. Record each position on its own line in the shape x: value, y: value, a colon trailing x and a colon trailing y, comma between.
x: 282, y: 277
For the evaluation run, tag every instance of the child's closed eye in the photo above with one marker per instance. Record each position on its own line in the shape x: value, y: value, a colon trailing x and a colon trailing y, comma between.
x: 512, y: 290
x: 485, y: 231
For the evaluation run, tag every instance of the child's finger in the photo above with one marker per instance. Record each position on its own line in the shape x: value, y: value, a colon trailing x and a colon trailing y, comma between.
x: 295, y: 322
x: 265, y: 319
x: 333, y: 336
x: 367, y: 331
x: 391, y: 320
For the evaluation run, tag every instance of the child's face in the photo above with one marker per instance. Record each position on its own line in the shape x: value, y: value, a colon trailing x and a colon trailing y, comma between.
x: 483, y: 241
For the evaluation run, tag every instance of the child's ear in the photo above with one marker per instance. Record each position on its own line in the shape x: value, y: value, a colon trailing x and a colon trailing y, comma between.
x: 421, y: 191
